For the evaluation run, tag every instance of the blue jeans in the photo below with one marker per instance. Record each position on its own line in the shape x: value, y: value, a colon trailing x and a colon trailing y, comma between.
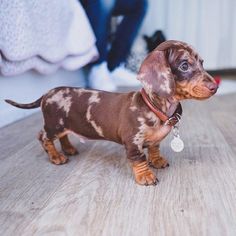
x: 100, y: 12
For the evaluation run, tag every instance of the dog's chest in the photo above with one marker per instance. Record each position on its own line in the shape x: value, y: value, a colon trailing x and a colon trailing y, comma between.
x: 151, y: 130
x: 154, y: 135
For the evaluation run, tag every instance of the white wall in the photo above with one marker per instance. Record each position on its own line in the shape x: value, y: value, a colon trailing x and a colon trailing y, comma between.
x: 28, y: 87
x: 209, y: 25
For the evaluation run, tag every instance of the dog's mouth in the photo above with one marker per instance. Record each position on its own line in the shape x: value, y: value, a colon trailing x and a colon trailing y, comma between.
x: 204, y: 92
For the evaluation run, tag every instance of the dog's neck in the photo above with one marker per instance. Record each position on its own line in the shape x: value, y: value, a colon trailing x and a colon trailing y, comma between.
x: 168, y: 110
x: 166, y: 105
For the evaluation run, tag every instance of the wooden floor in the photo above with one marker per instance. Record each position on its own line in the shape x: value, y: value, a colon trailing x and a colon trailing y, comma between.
x: 95, y: 194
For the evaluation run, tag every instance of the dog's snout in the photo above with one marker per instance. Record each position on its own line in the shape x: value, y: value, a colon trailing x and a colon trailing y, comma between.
x: 212, y: 87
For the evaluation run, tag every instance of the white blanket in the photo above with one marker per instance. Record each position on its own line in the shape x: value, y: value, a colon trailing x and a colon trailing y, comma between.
x: 44, y: 35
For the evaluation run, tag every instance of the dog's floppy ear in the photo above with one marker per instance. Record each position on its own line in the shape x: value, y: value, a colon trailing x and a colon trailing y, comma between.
x: 155, y: 73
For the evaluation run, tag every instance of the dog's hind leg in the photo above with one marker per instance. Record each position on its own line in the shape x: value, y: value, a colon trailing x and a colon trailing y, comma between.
x: 48, y: 145
x: 66, y: 146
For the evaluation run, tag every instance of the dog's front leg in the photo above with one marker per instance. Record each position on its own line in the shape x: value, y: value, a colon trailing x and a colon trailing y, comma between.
x: 142, y: 173
x: 155, y: 159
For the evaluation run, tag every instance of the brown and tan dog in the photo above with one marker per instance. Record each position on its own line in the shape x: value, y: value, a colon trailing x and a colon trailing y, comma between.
x: 138, y: 120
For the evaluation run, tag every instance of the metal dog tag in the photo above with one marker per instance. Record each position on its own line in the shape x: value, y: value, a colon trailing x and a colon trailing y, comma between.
x: 176, y: 144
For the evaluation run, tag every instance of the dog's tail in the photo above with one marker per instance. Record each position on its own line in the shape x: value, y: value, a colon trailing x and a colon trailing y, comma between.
x: 25, y: 106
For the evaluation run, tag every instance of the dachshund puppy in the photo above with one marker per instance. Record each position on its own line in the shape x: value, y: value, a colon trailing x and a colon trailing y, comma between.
x: 137, y: 120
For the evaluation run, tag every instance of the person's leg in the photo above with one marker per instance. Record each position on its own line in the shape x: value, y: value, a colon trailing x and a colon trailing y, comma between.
x: 99, y: 13
x: 133, y: 12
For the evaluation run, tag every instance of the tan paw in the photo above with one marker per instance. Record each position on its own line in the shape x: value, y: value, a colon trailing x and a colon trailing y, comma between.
x: 58, y: 159
x: 71, y: 151
x: 159, y: 163
x: 146, y: 178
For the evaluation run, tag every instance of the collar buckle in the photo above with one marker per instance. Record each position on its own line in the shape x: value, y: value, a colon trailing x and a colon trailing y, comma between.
x: 173, y: 120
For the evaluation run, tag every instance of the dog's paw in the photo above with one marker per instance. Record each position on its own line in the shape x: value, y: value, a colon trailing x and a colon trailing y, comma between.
x: 159, y: 163
x: 59, y: 159
x: 146, y: 178
x: 71, y: 151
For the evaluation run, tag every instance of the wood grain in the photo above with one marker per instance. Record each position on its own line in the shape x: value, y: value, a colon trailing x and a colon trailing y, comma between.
x: 95, y: 193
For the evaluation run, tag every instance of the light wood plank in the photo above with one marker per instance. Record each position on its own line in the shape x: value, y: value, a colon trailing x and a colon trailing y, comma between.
x: 19, y: 134
x: 28, y: 180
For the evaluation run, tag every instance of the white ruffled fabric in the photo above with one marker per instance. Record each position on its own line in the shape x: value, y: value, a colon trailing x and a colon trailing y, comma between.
x: 44, y: 35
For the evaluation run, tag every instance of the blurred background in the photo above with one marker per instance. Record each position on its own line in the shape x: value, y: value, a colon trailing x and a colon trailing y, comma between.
x: 47, y: 44
x: 210, y: 26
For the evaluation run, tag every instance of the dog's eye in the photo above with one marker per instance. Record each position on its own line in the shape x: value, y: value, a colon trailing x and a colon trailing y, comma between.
x: 184, y: 66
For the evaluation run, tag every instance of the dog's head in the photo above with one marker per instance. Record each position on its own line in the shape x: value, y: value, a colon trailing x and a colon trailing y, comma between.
x: 174, y: 69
